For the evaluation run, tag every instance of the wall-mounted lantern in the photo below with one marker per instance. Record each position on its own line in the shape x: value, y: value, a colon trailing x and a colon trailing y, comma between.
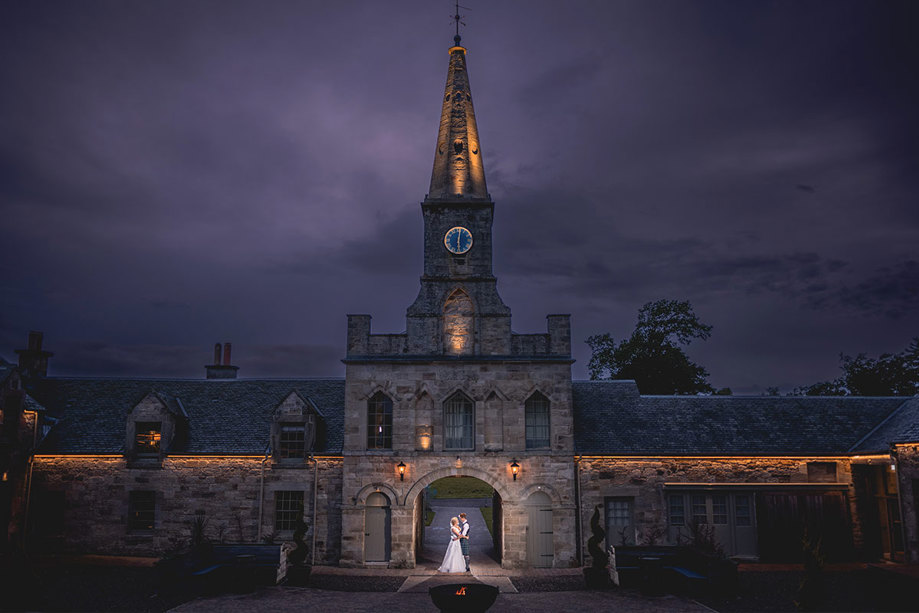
x: 515, y: 467
x: 401, y: 467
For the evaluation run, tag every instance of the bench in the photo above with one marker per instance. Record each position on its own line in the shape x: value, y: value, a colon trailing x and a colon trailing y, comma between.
x: 674, y: 568
x: 233, y: 567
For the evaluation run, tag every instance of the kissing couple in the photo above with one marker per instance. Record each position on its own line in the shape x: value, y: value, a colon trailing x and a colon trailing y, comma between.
x: 456, y: 560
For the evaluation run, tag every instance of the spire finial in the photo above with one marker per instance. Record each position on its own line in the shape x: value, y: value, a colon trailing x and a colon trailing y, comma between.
x: 458, y: 19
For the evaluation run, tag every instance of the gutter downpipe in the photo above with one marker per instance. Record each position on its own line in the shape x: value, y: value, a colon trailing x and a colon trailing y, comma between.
x: 261, y: 497
x: 577, y: 499
x: 895, y: 462
x: 315, y: 506
x: 25, y: 517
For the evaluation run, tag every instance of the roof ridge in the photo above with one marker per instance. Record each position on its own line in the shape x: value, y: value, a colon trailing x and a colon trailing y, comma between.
x: 882, y: 422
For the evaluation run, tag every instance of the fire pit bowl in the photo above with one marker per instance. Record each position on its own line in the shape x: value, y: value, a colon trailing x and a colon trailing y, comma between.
x: 463, y: 597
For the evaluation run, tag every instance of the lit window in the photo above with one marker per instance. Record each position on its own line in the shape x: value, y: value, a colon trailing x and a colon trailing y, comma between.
x: 458, y: 422
x: 537, y: 421
x: 141, y: 510
x: 147, y: 437
x: 288, y: 507
x: 379, y: 422
x: 292, y: 441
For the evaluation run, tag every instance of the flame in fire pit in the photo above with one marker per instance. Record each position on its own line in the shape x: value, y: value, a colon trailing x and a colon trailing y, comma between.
x: 461, y: 591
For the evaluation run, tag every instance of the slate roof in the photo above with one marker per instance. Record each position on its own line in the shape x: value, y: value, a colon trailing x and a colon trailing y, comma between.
x: 611, y: 418
x: 901, y: 426
x: 224, y: 416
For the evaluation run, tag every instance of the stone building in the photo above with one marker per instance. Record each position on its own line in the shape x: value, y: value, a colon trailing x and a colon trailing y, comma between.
x: 123, y: 466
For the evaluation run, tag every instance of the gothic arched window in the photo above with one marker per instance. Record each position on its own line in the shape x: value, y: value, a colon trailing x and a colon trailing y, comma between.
x: 537, y: 421
x: 379, y: 422
x: 458, y: 323
x: 459, y: 421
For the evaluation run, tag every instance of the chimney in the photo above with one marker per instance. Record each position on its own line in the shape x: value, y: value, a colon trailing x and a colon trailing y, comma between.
x: 33, y: 362
x: 223, y: 370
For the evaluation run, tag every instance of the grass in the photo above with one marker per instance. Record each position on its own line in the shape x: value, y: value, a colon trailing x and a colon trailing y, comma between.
x: 461, y: 487
x: 428, y: 517
x: 486, y: 515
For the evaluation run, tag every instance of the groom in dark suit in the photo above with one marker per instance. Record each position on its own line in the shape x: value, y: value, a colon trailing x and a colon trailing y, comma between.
x: 464, y: 541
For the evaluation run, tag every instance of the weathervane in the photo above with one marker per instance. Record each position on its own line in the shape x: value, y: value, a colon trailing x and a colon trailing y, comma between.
x: 458, y: 19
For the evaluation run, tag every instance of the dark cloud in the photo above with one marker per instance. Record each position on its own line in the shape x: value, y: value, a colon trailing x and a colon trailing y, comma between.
x: 891, y: 292
x: 176, y: 173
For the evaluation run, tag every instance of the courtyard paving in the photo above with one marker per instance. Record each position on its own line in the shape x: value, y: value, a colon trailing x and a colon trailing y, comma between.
x: 282, y: 600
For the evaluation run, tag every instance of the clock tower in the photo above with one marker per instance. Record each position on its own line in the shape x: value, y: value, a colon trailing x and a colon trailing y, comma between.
x: 458, y: 310
x: 458, y: 393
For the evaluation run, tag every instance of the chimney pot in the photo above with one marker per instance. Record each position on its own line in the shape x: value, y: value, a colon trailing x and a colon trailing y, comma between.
x: 217, y: 354
x: 226, y: 354
x: 35, y: 339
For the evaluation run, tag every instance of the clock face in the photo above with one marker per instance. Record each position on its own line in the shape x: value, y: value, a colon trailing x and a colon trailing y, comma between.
x: 458, y: 240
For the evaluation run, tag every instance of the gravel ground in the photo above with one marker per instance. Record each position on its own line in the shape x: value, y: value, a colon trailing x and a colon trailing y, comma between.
x: 566, y: 583
x: 344, y: 583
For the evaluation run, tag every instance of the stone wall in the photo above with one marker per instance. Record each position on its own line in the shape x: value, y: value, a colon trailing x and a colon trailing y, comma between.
x: 907, y: 459
x: 643, y: 479
x: 94, y: 493
x: 366, y: 474
x: 418, y: 391
x: 499, y: 391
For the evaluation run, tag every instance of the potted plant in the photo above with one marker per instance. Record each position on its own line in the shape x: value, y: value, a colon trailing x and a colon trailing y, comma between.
x: 597, y: 574
x: 298, y: 567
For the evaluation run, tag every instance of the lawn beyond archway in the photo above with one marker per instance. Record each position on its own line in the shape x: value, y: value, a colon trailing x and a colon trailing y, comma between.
x: 450, y: 496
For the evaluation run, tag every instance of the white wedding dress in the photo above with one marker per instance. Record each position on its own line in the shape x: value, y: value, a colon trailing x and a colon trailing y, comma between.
x: 453, y: 559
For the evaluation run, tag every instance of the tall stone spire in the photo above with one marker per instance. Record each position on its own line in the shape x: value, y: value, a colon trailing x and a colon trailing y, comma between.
x: 459, y: 173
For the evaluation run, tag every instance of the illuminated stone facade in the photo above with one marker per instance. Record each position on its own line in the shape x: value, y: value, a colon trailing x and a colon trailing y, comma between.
x: 127, y: 466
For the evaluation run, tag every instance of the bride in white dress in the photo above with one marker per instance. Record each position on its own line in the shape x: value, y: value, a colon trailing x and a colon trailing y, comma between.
x: 453, y: 559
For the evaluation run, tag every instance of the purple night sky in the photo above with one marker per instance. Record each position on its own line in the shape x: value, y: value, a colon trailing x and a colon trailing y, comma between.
x: 174, y: 174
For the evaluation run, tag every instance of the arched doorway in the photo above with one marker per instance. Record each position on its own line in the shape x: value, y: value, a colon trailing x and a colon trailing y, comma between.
x: 377, y: 524
x: 447, y: 497
x: 540, y: 546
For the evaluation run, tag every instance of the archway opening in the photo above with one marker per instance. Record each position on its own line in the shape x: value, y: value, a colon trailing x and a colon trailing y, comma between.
x: 446, y: 498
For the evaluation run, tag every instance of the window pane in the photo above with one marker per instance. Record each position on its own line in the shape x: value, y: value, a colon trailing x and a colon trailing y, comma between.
x: 288, y: 506
x: 379, y: 422
x: 719, y: 509
x: 677, y: 510
x: 619, y: 521
x: 141, y: 510
x: 147, y: 436
x: 458, y: 423
x: 699, y: 511
x: 537, y: 421
x: 742, y: 516
x: 292, y: 441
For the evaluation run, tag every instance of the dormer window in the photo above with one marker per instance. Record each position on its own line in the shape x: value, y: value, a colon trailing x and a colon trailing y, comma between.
x: 147, y: 437
x: 292, y: 440
x: 295, y: 429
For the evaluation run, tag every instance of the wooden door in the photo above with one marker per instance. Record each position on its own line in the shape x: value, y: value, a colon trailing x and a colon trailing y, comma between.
x: 377, y: 521
x: 783, y: 518
x: 540, y: 545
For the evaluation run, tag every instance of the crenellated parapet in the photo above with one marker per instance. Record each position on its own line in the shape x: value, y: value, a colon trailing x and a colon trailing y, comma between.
x: 492, y: 339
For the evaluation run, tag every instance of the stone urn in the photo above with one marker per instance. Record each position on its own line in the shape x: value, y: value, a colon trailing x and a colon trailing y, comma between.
x: 463, y: 597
